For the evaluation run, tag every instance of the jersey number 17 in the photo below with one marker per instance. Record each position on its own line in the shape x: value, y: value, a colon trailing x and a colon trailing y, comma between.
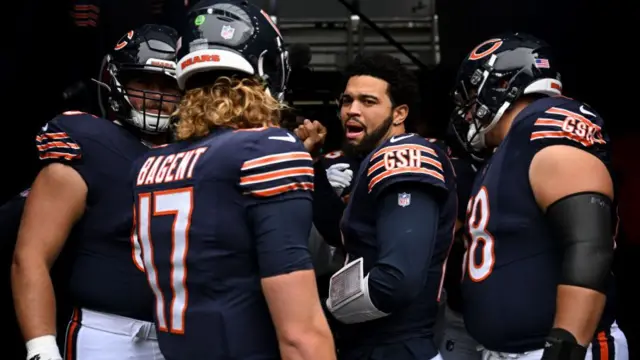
x: 177, y: 203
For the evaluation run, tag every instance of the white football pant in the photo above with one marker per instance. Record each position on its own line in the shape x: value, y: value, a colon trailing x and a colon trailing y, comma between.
x: 607, y: 345
x: 93, y: 335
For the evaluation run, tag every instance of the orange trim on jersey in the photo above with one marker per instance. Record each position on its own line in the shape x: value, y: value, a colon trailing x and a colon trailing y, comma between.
x: 151, y: 253
x: 423, y: 159
x: 135, y: 242
x: 174, y: 213
x: 403, y: 147
x: 52, y: 136
x: 404, y: 170
x: 57, y: 144
x: 565, y: 112
x: 548, y: 122
x: 559, y: 134
x: 283, y: 189
x: 254, y: 129
x: 275, y: 159
x: 275, y: 175
x: 58, y: 155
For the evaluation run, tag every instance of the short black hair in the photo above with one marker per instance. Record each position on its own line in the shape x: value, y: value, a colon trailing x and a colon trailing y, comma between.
x: 403, y: 86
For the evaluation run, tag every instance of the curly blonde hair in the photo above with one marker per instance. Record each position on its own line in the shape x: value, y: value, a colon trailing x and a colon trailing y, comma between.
x: 228, y: 103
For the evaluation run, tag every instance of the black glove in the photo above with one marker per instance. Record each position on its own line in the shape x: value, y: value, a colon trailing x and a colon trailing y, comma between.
x: 562, y: 345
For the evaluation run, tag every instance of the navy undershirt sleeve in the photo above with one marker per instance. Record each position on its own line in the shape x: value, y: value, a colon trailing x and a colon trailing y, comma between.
x: 406, y: 237
x: 281, y: 231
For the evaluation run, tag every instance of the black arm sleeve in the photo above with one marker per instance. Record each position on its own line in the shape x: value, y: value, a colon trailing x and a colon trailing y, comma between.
x: 281, y: 230
x: 582, y: 222
x: 406, y: 238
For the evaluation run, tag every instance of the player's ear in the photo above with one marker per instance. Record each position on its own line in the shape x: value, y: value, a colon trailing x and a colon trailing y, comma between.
x: 400, y: 114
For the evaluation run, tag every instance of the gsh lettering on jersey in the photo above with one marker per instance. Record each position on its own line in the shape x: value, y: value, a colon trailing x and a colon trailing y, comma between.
x: 173, y: 167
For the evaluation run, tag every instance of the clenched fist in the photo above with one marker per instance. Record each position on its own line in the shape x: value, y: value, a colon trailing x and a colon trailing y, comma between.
x: 312, y: 134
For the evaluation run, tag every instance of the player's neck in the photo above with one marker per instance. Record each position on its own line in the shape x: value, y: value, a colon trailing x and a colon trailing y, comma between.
x: 154, y: 139
x: 394, y: 130
x: 504, y: 125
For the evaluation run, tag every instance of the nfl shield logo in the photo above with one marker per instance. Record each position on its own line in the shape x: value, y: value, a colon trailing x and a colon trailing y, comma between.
x: 404, y: 199
x: 227, y: 32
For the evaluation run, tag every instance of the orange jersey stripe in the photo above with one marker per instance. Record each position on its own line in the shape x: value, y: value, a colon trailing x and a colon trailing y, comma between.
x: 275, y: 159
x: 283, y: 189
x: 406, y: 170
x: 275, y: 175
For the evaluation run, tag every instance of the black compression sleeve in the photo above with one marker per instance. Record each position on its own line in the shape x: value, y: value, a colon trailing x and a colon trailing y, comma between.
x: 582, y: 222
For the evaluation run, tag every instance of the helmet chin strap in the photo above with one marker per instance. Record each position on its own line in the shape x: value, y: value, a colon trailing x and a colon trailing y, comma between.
x: 476, y: 134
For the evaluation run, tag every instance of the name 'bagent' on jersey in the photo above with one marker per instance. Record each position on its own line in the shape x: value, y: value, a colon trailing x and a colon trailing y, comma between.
x: 174, y: 167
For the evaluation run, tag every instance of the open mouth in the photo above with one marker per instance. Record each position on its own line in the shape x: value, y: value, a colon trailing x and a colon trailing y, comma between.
x: 353, y: 129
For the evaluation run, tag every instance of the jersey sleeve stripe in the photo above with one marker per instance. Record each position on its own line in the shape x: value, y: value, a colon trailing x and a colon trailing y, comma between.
x: 569, y: 125
x: 402, y: 147
x: 51, y: 136
x: 276, y: 175
x: 567, y: 113
x: 281, y: 189
x: 424, y: 159
x: 548, y: 122
x: 57, y: 145
x: 406, y: 170
x: 558, y: 134
x: 275, y: 159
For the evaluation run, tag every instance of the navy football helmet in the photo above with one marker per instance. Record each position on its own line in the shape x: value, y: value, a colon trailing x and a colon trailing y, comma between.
x: 493, y: 76
x: 150, y: 49
x: 231, y: 36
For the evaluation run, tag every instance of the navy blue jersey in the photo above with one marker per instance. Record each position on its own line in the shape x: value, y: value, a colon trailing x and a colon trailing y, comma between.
x: 409, y: 159
x: 104, y: 276
x: 514, y: 260
x: 465, y: 172
x: 203, y: 255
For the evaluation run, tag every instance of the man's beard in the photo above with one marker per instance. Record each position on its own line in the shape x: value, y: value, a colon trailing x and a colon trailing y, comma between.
x: 369, y: 141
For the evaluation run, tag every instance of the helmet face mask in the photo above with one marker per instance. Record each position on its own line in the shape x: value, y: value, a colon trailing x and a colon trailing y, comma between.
x: 139, y: 76
x: 492, y: 78
x: 231, y: 37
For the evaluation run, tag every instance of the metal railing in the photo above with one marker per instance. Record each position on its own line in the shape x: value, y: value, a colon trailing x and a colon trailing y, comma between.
x: 336, y: 36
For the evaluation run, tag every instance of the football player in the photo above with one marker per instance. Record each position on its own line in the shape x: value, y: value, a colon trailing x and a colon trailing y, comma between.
x: 81, y: 201
x: 455, y: 343
x: 223, y: 216
x: 398, y: 225
x: 334, y: 172
x: 540, y: 221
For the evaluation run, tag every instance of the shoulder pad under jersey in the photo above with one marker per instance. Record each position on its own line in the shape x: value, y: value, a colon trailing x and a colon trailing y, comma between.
x: 275, y: 164
x: 406, y: 158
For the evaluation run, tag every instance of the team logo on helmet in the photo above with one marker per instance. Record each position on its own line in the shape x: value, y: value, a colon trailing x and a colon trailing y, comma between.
x: 485, y: 49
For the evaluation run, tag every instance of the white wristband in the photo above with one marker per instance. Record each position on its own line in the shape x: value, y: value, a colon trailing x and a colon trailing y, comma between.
x: 45, y: 344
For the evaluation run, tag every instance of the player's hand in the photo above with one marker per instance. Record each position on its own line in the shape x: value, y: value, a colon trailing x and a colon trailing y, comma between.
x: 43, y: 348
x: 312, y: 134
x: 339, y: 176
